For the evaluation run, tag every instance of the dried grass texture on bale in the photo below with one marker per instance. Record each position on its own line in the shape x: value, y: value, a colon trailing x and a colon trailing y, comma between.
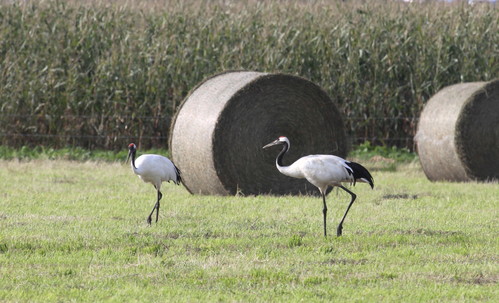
x: 218, y: 133
x: 458, y: 133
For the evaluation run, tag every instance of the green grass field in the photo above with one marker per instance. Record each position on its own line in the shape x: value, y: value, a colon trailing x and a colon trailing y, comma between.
x: 76, y: 231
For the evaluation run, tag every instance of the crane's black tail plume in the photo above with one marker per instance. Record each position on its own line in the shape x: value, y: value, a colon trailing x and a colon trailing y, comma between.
x: 179, y: 176
x: 360, y: 173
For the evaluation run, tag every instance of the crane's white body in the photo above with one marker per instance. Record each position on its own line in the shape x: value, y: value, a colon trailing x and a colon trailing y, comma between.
x: 155, y: 169
x: 320, y: 170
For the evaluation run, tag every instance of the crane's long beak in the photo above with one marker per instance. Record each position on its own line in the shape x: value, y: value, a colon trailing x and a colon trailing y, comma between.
x: 127, y: 158
x: 276, y: 142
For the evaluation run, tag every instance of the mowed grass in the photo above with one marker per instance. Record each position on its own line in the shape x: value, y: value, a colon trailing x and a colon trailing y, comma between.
x: 76, y: 231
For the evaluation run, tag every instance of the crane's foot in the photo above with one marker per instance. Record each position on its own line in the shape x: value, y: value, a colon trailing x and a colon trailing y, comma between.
x: 339, y: 230
x: 149, y: 220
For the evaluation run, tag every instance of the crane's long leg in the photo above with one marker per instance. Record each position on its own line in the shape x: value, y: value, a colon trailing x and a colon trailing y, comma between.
x: 354, y: 196
x: 324, y: 211
x: 160, y: 195
x: 156, y: 207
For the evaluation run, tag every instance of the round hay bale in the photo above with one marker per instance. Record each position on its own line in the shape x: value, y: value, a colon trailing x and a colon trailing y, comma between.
x: 218, y: 133
x: 458, y: 133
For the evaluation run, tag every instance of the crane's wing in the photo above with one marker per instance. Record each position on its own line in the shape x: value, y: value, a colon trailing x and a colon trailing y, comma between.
x: 156, y: 168
x: 322, y: 170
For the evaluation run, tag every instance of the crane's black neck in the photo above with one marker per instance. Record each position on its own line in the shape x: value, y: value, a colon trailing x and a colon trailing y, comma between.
x: 285, y: 148
x: 132, y: 154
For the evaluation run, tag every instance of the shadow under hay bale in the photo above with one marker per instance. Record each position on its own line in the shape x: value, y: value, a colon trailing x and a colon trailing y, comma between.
x: 218, y: 133
x: 458, y: 133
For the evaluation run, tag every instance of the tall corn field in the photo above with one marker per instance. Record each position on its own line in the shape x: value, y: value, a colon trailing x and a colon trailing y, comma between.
x: 98, y: 74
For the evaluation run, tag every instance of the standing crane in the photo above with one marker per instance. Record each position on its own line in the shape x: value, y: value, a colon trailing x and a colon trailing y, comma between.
x: 153, y: 169
x: 323, y: 171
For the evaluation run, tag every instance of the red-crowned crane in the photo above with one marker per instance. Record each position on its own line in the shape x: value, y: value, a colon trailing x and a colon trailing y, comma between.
x: 153, y: 169
x: 323, y: 171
